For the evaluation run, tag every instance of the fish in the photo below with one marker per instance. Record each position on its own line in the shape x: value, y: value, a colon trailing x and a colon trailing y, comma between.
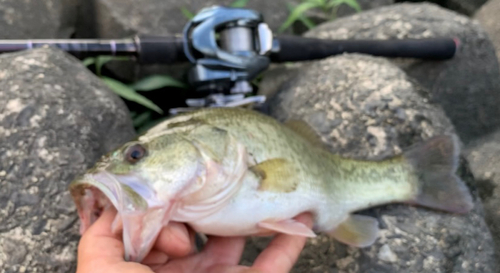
x: 239, y: 172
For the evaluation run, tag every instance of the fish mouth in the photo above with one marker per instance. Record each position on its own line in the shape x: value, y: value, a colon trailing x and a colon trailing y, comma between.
x: 140, y: 217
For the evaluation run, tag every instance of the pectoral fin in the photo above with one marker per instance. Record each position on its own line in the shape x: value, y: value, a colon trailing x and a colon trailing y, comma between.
x: 288, y: 226
x: 276, y: 175
x: 357, y: 230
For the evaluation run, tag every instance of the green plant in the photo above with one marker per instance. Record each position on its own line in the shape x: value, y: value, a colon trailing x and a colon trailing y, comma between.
x: 235, y: 4
x: 328, y: 7
x: 239, y: 4
x: 142, y: 120
x: 187, y: 13
x: 130, y: 91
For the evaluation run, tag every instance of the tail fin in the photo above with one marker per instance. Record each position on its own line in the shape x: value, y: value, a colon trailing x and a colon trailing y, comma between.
x: 435, y: 162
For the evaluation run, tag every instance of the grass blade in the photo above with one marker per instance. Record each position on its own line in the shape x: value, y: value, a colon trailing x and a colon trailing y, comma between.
x: 187, y: 13
x: 351, y: 3
x: 239, y: 3
x: 296, y: 13
x: 154, y: 82
x: 88, y: 61
x: 130, y: 94
x: 306, y: 21
x: 102, y: 60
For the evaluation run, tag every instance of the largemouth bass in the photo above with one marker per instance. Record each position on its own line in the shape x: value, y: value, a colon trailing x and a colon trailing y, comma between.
x: 237, y: 172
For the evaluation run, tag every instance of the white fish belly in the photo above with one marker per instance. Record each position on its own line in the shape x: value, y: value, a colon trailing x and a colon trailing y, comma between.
x: 249, y: 207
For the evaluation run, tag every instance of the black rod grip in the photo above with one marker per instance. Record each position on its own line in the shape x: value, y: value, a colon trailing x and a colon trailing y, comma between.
x: 296, y: 48
x: 160, y: 50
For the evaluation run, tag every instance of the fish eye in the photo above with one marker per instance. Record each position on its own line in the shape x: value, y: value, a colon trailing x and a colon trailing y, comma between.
x: 135, y: 153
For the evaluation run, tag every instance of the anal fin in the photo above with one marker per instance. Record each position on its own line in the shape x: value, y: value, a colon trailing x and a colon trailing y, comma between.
x: 357, y: 230
x: 288, y: 226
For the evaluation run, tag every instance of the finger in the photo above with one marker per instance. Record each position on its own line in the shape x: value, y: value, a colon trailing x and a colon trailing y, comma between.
x: 155, y: 257
x: 175, y: 240
x: 232, y: 269
x: 283, y: 251
x: 219, y: 251
x: 99, y: 242
x: 99, y: 250
x: 223, y: 250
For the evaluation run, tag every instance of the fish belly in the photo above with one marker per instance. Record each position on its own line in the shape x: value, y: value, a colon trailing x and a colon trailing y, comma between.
x: 242, y: 214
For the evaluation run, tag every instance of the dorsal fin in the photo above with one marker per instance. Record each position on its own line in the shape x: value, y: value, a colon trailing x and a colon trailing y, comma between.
x: 306, y: 131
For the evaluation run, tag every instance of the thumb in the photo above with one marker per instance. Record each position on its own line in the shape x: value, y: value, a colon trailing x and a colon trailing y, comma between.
x: 99, y: 243
x: 100, y: 250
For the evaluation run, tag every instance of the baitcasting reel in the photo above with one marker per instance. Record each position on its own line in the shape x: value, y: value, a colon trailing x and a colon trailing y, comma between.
x: 229, y: 48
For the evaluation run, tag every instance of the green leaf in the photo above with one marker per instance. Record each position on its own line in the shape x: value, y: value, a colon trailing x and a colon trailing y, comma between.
x: 141, y: 119
x: 320, y: 3
x: 351, y: 3
x: 130, y: 94
x: 154, y: 82
x: 187, y: 13
x: 296, y: 13
x: 239, y: 3
x: 88, y: 61
x: 306, y: 21
x: 102, y: 60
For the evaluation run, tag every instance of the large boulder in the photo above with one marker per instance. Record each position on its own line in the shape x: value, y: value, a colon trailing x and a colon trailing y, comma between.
x: 366, y: 107
x: 37, y: 19
x: 345, y: 10
x: 484, y: 158
x: 56, y: 120
x: 467, y: 86
x: 118, y: 18
x: 487, y: 17
x: 467, y: 7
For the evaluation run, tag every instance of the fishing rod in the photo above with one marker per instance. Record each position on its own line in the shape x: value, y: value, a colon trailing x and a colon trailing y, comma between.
x: 229, y: 47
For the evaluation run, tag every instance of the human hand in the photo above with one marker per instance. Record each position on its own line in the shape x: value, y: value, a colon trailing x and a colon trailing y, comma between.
x: 100, y: 250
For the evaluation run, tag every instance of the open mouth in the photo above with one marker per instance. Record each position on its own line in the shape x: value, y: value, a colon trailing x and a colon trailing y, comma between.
x: 92, y: 194
x: 140, y: 214
x: 90, y: 207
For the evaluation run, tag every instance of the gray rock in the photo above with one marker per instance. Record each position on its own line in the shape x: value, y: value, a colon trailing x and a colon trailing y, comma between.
x: 484, y: 158
x: 56, y: 120
x: 487, y: 17
x: 345, y: 10
x: 467, y: 7
x: 37, y: 19
x: 118, y: 18
x: 318, y: 16
x: 467, y: 86
x: 366, y: 107
x: 385, y: 254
